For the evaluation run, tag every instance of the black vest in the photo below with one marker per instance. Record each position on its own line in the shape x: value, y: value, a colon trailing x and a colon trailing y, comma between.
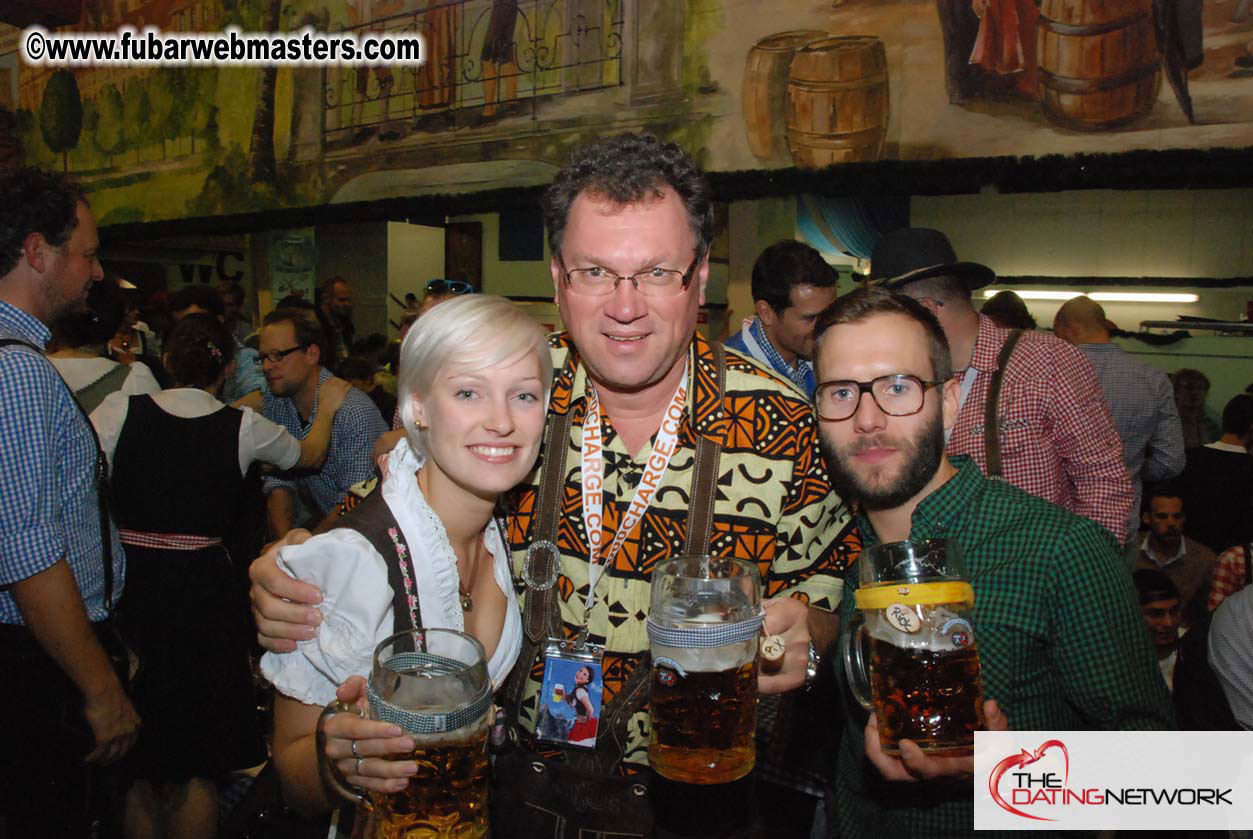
x: 176, y: 475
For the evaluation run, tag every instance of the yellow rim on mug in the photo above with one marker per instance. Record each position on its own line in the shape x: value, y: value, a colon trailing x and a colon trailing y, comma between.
x: 914, y: 594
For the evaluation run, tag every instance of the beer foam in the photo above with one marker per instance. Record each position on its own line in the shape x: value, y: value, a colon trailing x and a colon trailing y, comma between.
x: 705, y: 607
x: 941, y: 629
x: 474, y: 732
x: 433, y: 695
x: 708, y: 659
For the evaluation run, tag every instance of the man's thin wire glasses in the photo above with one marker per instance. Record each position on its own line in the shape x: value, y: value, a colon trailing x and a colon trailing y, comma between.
x: 277, y: 355
x: 651, y: 282
x: 897, y: 395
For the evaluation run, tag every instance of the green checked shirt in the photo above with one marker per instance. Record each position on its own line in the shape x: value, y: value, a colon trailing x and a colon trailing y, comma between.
x: 1061, y: 642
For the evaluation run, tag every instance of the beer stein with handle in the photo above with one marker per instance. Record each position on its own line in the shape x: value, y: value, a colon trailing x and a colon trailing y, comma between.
x: 704, y: 622
x: 914, y: 626
x: 432, y: 683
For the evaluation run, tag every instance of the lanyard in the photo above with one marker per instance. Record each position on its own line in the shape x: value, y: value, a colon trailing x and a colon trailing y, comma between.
x: 594, y: 480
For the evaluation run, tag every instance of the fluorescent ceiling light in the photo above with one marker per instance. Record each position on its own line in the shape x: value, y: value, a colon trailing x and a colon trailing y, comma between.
x: 1100, y: 296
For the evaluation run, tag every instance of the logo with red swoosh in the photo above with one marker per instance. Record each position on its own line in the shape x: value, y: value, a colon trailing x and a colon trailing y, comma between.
x: 1025, y: 758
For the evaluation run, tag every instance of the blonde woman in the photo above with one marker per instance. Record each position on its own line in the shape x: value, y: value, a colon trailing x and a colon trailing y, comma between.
x: 474, y: 380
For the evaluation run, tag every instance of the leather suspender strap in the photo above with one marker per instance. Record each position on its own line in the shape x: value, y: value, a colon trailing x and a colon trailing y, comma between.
x: 101, y: 478
x: 704, y: 479
x: 536, y: 623
x: 541, y: 604
x: 991, y: 424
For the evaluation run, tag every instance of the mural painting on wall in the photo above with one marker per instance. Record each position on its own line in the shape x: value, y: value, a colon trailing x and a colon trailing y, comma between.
x: 968, y: 78
x: 510, y: 86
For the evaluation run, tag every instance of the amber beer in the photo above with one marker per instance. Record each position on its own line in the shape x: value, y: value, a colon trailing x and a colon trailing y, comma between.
x: 447, y: 798
x: 702, y: 724
x: 433, y: 684
x: 932, y: 697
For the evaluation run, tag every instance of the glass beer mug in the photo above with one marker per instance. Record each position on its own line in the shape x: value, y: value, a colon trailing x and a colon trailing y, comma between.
x: 914, y: 616
x: 433, y: 683
x: 704, y: 621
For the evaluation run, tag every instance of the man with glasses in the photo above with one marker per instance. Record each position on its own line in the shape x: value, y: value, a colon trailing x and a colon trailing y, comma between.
x: 629, y: 222
x: 1060, y: 638
x: 290, y: 357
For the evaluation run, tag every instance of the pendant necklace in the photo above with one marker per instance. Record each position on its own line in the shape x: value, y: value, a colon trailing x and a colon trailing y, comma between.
x: 466, y: 591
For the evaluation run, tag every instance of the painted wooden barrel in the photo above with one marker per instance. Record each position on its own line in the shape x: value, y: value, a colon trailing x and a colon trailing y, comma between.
x: 765, y: 90
x: 1099, y: 65
x: 837, y: 101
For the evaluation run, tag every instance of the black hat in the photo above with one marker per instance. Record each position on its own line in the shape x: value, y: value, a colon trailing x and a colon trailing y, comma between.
x: 915, y: 253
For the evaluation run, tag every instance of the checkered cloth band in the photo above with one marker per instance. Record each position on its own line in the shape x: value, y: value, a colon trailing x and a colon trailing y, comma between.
x: 706, y: 635
x: 168, y: 541
x: 428, y: 723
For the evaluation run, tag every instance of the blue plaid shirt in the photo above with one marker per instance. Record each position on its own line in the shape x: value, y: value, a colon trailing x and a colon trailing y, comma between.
x: 1142, y: 402
x: 49, y: 510
x: 357, y: 426
x: 753, y: 342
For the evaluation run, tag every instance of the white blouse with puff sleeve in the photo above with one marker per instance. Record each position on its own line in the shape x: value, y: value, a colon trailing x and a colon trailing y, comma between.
x: 357, y: 598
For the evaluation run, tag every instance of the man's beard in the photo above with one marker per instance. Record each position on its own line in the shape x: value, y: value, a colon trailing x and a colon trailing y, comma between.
x: 923, y: 454
x: 60, y: 305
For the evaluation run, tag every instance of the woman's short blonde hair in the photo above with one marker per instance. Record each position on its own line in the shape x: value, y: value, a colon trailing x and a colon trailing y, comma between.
x: 471, y: 330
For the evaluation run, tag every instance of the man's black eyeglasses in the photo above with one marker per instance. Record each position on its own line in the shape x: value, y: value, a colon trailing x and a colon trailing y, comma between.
x: 278, y: 355
x: 442, y: 286
x: 897, y: 395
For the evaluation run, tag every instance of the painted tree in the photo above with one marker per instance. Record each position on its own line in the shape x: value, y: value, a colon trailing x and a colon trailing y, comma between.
x: 109, y: 137
x: 136, y: 111
x: 202, y: 91
x: 262, y: 168
x: 61, y: 115
x: 91, y: 121
x: 169, y: 105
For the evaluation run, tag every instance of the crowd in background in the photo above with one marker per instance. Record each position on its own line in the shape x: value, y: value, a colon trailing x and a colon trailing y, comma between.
x: 222, y: 431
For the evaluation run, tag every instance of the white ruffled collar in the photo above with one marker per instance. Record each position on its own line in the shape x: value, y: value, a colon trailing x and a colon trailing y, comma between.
x: 435, y: 563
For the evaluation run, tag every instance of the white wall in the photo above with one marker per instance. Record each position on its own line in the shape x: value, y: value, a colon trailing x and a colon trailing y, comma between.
x: 1106, y: 233
x: 1226, y: 360
x: 530, y: 278
x: 358, y: 253
x: 415, y: 254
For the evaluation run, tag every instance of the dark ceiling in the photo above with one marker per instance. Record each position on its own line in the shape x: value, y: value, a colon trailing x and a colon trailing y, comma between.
x: 49, y: 13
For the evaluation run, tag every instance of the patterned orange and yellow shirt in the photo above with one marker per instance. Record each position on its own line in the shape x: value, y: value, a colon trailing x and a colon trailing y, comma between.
x: 774, y: 506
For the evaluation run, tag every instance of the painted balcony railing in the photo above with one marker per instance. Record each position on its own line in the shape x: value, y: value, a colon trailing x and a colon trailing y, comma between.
x: 485, y: 58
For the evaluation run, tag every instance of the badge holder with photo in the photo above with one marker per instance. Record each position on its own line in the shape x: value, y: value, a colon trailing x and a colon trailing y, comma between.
x: 562, y: 718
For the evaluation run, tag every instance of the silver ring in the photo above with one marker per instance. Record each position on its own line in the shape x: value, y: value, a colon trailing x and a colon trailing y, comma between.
x: 357, y: 771
x: 355, y: 753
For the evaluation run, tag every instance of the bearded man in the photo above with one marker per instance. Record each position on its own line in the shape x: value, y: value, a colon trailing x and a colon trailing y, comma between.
x: 1059, y: 633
